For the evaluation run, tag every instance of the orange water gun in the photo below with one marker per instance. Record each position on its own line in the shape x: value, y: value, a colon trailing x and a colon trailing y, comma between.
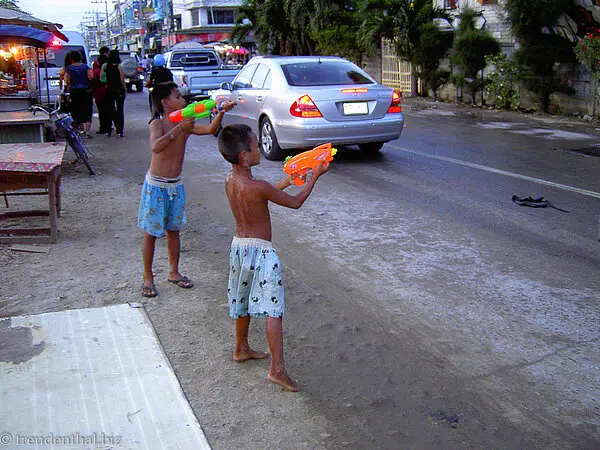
x: 299, y: 165
x: 198, y: 110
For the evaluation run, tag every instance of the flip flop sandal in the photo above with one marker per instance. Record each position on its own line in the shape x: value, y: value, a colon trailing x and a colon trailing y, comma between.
x: 149, y: 291
x: 184, y: 282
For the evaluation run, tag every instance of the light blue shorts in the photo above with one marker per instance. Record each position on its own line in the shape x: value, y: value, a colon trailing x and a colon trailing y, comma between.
x: 162, y: 205
x: 255, y: 285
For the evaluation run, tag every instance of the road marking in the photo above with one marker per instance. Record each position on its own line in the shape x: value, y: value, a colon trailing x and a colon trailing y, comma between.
x: 501, y: 172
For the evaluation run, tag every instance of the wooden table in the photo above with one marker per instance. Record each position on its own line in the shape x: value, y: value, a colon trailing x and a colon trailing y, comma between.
x: 14, y: 102
x: 24, y: 170
x: 21, y: 126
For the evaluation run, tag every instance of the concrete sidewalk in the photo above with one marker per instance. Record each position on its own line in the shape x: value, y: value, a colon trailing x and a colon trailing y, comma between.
x: 91, y: 378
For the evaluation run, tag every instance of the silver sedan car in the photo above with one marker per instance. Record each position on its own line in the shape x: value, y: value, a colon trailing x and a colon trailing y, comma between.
x: 298, y: 102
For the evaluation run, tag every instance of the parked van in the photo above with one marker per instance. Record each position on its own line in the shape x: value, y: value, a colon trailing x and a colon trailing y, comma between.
x: 55, y: 59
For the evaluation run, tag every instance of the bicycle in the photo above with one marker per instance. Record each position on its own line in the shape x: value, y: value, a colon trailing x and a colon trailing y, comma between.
x: 64, y: 124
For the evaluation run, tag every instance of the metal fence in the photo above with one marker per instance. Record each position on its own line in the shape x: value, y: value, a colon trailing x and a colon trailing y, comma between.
x: 395, y: 72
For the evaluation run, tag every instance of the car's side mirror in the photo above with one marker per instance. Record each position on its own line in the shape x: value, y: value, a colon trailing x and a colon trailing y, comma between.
x: 227, y: 86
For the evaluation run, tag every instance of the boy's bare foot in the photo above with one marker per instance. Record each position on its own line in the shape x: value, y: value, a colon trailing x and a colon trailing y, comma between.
x: 283, y: 379
x: 242, y: 356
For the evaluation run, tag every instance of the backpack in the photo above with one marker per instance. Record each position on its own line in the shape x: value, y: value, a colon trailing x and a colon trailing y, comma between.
x: 103, y: 74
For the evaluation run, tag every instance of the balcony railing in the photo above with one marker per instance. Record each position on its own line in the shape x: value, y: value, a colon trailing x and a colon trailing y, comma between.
x: 450, y: 4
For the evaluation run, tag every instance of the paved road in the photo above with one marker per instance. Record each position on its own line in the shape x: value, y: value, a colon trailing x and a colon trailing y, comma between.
x: 443, y: 300
x: 424, y: 308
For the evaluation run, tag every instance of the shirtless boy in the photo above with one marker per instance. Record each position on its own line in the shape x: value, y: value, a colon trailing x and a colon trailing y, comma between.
x: 162, y: 204
x: 255, y: 285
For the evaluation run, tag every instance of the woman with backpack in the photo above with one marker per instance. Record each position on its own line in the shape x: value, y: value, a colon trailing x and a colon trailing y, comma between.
x: 116, y: 88
x: 99, y: 92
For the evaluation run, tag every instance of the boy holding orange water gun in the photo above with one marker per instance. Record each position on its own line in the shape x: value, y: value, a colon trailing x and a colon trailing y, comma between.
x: 255, y: 285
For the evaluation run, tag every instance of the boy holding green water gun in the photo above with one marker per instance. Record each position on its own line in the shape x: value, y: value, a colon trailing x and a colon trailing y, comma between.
x: 162, y: 203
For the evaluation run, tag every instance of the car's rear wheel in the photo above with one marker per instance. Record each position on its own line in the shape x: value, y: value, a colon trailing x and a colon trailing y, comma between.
x: 371, y: 148
x: 268, y: 141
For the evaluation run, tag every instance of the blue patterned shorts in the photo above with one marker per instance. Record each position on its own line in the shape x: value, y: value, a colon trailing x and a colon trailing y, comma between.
x: 162, y: 206
x: 255, y: 285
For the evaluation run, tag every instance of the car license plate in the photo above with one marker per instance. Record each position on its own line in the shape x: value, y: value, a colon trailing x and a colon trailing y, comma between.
x: 53, y: 82
x: 212, y: 91
x: 355, y: 108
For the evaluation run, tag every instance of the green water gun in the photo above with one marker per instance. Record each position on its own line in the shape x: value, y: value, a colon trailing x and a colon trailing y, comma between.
x: 198, y: 110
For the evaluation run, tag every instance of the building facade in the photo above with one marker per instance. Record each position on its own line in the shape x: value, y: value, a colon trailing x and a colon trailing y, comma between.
x: 154, y: 26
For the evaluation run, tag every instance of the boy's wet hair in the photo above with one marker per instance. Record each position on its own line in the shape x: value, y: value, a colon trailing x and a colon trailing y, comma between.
x: 160, y: 92
x: 233, y: 140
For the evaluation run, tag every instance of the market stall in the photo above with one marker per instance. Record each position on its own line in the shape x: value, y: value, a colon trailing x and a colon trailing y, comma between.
x: 19, y: 66
x: 28, y: 165
x: 23, y: 43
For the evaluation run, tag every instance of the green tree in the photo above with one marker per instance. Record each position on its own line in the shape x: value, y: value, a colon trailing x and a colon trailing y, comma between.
x: 471, y: 46
x: 501, y: 84
x: 433, y: 45
x: 401, y: 21
x: 10, y: 4
x: 271, y: 24
x: 300, y: 27
x: 587, y: 52
x: 541, y: 47
x: 337, y: 31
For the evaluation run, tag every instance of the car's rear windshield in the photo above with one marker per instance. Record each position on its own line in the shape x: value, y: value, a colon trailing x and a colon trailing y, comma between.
x: 193, y: 59
x: 324, y: 74
x: 55, y: 56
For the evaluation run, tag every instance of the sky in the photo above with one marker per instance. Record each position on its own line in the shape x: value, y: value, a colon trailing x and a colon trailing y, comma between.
x: 69, y: 13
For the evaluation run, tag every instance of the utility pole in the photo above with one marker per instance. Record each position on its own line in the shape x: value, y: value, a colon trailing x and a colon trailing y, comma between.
x: 120, y: 16
x: 99, y: 2
x: 166, y: 7
x: 97, y: 30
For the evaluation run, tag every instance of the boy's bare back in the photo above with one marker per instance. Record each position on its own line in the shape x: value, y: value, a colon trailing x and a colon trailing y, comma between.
x: 249, y: 205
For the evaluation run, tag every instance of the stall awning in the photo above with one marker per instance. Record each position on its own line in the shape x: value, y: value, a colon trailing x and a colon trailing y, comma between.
x: 12, y: 17
x: 15, y: 34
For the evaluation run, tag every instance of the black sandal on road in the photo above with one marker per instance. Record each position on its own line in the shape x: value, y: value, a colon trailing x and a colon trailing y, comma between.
x: 184, y: 282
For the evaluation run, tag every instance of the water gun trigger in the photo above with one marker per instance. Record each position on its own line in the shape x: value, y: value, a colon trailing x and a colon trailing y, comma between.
x: 298, y: 181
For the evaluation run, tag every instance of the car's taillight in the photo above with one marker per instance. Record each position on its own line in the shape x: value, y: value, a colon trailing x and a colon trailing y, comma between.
x: 305, y: 107
x: 395, y: 107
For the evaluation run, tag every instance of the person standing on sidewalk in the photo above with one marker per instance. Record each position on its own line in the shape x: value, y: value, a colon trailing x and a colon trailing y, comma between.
x: 255, y: 285
x: 162, y: 203
x: 99, y: 92
x: 115, y: 92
